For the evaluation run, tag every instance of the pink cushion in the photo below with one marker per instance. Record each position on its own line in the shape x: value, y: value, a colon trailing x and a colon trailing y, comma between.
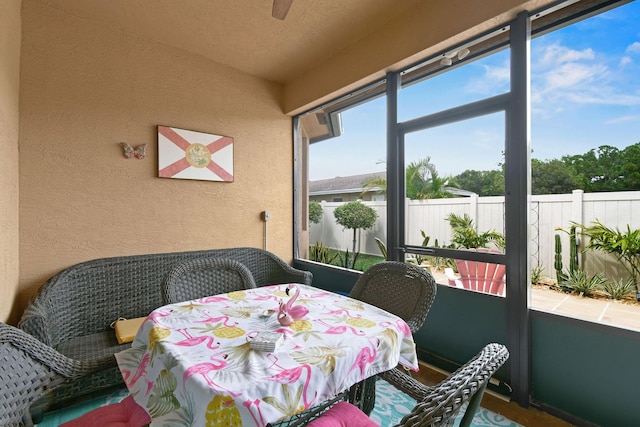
x: 124, y: 414
x: 343, y: 414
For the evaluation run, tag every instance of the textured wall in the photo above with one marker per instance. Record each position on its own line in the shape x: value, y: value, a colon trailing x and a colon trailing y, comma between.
x: 87, y: 86
x: 9, y: 119
x: 418, y: 33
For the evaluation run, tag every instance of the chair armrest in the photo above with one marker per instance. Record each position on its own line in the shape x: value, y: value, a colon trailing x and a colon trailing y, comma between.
x: 35, y: 321
x: 444, y: 400
x: 453, y: 279
x: 300, y: 276
x: 58, y: 362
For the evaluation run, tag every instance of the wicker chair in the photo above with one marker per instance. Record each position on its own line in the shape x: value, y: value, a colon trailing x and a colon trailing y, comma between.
x: 439, y: 405
x: 204, y: 277
x: 403, y: 289
x: 28, y: 369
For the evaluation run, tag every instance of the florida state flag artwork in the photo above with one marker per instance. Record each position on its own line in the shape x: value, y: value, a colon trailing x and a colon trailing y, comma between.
x: 186, y: 154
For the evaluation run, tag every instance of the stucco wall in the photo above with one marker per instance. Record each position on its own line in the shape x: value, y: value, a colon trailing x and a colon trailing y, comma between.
x: 9, y: 125
x: 86, y: 87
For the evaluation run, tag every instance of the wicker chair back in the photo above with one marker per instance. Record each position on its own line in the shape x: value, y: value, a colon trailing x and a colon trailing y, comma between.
x: 403, y: 289
x: 203, y: 277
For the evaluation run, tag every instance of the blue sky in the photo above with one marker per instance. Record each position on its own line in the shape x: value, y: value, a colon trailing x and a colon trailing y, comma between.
x: 585, y: 93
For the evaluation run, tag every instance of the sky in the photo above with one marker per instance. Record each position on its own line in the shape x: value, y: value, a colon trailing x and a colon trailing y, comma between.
x: 585, y: 92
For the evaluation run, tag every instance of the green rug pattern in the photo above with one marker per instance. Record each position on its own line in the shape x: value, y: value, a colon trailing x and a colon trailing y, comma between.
x: 391, y: 406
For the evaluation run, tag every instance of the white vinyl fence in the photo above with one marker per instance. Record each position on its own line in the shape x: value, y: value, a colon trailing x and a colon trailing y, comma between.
x: 547, y: 214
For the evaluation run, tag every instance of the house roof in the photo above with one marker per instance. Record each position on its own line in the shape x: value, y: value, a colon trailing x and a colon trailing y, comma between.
x: 343, y: 184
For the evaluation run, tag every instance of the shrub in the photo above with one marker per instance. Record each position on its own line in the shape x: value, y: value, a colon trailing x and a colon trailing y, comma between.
x: 466, y: 236
x: 578, y: 281
x: 619, y: 289
x: 315, y: 212
x: 355, y: 215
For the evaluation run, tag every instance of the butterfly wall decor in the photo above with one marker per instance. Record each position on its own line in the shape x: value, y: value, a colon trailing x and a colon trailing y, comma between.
x: 138, y: 152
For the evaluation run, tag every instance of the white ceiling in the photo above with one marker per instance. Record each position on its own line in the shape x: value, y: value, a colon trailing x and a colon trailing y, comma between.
x: 242, y: 33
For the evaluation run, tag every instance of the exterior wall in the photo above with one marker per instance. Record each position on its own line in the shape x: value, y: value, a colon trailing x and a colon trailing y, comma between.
x: 9, y: 125
x: 85, y: 88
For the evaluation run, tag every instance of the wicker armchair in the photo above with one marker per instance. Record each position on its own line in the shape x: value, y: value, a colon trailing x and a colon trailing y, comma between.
x: 405, y: 290
x: 28, y: 369
x: 203, y: 277
x: 439, y: 405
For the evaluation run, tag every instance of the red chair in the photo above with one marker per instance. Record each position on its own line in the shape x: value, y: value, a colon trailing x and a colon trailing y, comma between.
x: 479, y: 276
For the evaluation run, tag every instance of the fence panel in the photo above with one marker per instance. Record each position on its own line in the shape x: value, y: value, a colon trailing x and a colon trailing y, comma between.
x: 549, y: 215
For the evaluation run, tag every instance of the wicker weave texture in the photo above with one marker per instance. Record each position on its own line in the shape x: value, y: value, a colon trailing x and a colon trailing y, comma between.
x: 27, y: 370
x: 72, y: 311
x: 406, y: 290
x: 361, y: 394
x: 204, y: 277
x: 439, y: 405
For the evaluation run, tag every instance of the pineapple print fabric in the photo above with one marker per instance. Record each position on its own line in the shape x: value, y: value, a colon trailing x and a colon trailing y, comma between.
x: 191, y: 363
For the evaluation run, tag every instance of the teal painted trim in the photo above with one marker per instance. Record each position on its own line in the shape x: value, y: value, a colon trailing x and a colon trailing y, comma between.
x: 582, y: 369
x: 460, y: 323
x: 584, y: 372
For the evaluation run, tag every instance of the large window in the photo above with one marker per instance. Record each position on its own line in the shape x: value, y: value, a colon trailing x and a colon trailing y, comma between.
x: 516, y: 152
x: 585, y: 157
x: 585, y: 111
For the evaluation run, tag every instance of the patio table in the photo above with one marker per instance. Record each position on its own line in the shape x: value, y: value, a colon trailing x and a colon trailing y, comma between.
x: 191, y: 363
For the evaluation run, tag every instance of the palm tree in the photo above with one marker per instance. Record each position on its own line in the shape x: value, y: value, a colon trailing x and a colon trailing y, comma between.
x: 422, y: 182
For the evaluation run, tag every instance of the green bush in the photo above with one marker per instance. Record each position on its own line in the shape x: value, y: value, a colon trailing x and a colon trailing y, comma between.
x: 466, y: 236
x: 315, y: 212
x: 578, y: 281
x: 619, y: 289
x: 355, y: 215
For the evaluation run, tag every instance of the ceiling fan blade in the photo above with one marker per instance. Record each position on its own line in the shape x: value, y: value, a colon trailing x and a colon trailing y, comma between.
x: 280, y: 8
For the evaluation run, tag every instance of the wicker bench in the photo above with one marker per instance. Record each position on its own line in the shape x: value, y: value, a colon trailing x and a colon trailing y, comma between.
x: 72, y: 311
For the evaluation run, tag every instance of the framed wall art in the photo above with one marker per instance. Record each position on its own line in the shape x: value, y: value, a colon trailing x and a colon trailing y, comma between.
x: 187, y: 154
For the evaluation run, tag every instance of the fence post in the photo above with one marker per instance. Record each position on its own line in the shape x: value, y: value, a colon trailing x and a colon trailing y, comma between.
x: 577, y: 200
x: 577, y: 208
x: 473, y: 209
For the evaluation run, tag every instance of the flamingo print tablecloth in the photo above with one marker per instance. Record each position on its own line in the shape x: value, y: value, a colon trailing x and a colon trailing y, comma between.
x: 191, y: 363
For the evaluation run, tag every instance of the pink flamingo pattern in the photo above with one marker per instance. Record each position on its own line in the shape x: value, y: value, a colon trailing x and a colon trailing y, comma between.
x: 181, y: 361
x: 287, y: 313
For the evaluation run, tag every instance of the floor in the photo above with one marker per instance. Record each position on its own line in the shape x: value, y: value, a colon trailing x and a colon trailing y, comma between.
x: 606, y: 311
x: 530, y: 417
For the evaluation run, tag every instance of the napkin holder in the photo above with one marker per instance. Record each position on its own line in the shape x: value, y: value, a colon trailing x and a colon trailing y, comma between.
x: 266, y: 341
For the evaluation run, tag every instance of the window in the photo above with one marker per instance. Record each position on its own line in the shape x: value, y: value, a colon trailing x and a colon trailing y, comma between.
x: 539, y: 129
x: 346, y: 165
x: 585, y: 80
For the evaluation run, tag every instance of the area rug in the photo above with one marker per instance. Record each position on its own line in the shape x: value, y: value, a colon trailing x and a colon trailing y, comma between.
x: 391, y: 406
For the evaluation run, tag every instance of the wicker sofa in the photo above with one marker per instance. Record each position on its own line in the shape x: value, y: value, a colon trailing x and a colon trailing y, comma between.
x: 72, y: 311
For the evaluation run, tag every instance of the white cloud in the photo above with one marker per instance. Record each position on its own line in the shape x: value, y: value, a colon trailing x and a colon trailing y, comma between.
x: 623, y: 119
x: 625, y: 60
x: 556, y: 54
x: 494, y: 79
x: 633, y: 48
x: 563, y: 76
x: 571, y: 75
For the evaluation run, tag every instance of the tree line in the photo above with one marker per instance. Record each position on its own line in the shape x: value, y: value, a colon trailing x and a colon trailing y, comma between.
x: 605, y: 168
